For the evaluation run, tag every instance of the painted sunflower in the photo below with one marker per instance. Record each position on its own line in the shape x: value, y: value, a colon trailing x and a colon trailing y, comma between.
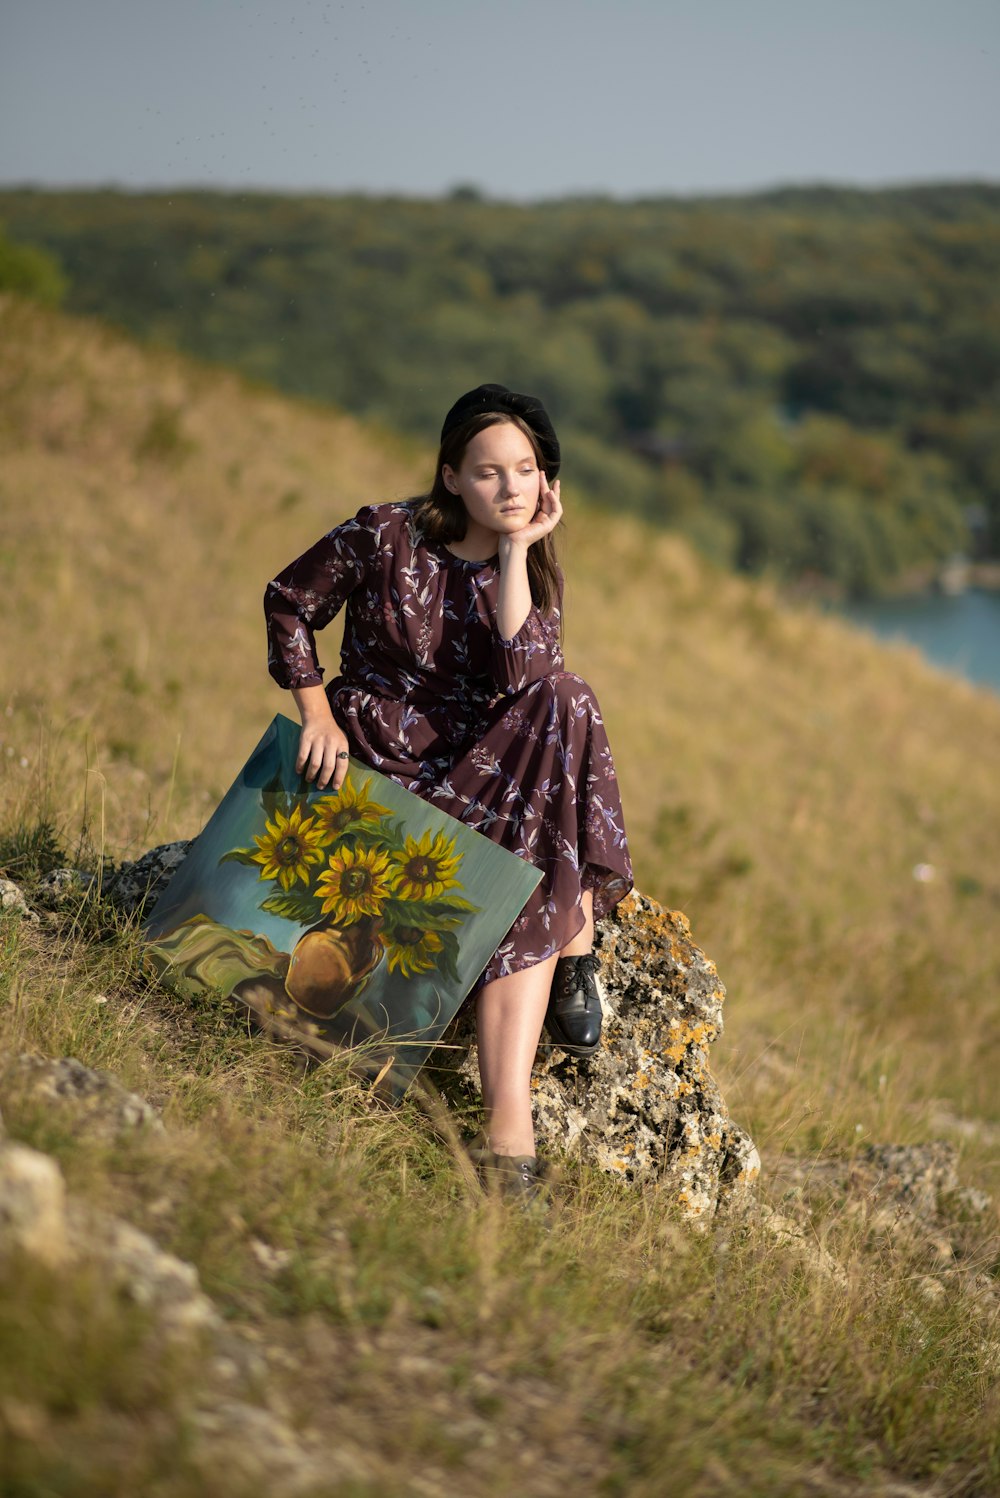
x: 348, y: 811
x: 287, y: 847
x: 356, y: 882
x: 424, y: 870
x: 411, y: 951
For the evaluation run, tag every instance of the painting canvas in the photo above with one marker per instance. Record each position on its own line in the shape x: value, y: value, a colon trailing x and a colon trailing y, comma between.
x: 358, y: 918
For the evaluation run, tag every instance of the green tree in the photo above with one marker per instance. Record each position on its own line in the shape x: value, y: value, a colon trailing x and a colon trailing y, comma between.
x: 30, y: 272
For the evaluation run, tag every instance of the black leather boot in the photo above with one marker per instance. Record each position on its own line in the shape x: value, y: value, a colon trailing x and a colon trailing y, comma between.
x: 573, y: 1018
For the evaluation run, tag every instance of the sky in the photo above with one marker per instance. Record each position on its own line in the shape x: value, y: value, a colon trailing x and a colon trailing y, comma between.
x: 532, y: 99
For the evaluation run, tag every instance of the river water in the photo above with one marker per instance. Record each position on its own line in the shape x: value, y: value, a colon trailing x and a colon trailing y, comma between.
x: 962, y: 634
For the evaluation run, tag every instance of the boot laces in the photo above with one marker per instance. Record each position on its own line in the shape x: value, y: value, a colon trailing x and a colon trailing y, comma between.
x: 576, y: 970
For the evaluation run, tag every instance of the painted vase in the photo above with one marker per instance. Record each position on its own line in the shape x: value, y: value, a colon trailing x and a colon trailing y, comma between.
x: 330, y: 965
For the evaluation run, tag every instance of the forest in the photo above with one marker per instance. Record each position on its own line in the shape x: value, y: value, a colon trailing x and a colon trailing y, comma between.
x: 804, y: 382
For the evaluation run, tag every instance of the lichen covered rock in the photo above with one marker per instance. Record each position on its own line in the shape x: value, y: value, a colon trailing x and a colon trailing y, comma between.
x: 134, y: 885
x: 97, y: 1100
x: 644, y: 1107
x: 61, y: 885
x: 907, y: 1197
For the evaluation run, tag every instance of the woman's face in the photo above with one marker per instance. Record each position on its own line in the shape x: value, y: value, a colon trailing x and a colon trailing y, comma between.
x: 498, y: 479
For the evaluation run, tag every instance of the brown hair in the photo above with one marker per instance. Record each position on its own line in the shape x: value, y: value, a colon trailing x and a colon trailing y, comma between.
x: 442, y: 516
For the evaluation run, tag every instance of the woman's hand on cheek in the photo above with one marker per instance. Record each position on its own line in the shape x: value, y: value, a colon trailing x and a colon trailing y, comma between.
x: 548, y: 499
x: 547, y: 516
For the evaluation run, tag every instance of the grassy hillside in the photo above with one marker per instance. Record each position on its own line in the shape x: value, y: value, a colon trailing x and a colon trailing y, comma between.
x: 805, y: 383
x: 782, y: 775
x: 782, y: 778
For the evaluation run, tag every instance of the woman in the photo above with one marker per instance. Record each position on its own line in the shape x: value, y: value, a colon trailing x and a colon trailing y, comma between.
x: 453, y: 684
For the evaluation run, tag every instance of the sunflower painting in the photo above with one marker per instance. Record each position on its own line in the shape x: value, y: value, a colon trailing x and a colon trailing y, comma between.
x: 361, y: 915
x: 287, y: 848
x: 426, y: 868
x: 350, y: 810
x: 355, y: 882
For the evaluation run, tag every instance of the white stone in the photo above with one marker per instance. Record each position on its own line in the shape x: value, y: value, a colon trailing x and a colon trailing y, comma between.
x: 13, y: 901
x: 32, y: 1205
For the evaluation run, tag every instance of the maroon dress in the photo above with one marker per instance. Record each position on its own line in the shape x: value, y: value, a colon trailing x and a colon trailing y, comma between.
x: 494, y: 732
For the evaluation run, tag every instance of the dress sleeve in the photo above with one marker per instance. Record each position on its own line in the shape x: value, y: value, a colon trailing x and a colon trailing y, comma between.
x: 310, y: 592
x: 533, y: 652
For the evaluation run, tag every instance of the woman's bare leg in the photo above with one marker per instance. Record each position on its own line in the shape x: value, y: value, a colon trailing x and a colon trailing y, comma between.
x: 509, y: 1017
x: 510, y: 1013
x: 584, y: 938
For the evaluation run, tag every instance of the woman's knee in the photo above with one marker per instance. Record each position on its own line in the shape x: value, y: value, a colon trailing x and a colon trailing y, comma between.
x: 567, y: 690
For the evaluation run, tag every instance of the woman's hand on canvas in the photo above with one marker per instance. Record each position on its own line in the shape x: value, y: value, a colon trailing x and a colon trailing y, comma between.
x: 321, y: 741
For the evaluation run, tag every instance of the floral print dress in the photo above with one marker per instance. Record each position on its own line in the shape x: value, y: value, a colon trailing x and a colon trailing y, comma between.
x: 494, y: 732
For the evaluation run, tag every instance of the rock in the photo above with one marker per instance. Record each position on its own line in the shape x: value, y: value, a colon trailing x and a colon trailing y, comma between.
x: 242, y: 1444
x: 102, y: 1104
x: 64, y: 884
x: 146, y: 1273
x: 136, y: 884
x: 892, y: 1183
x: 915, y: 1176
x: 270, y: 1259
x: 12, y: 901
x: 32, y: 1206
x: 800, y: 1236
x: 36, y: 1219
x: 228, y: 1437
x: 644, y: 1107
x: 910, y: 1194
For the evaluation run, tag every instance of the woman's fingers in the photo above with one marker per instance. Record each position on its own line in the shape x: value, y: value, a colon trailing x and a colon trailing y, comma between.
x: 328, y: 774
x: 339, y: 770
x: 548, y: 512
x: 317, y: 757
x: 310, y: 760
x: 548, y: 501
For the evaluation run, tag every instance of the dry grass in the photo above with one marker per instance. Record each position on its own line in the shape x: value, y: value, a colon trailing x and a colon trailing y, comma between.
x: 438, y: 1334
x: 782, y: 776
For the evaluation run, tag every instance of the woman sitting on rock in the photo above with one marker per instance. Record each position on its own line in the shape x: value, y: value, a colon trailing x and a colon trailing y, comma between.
x: 452, y: 684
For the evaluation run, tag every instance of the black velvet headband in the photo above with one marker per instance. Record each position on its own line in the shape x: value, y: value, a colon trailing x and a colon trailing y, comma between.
x: 509, y: 403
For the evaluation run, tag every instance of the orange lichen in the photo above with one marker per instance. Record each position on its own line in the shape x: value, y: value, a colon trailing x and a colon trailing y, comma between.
x: 687, y: 1037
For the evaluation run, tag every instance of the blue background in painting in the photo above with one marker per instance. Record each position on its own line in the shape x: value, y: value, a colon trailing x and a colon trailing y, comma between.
x: 492, y: 878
